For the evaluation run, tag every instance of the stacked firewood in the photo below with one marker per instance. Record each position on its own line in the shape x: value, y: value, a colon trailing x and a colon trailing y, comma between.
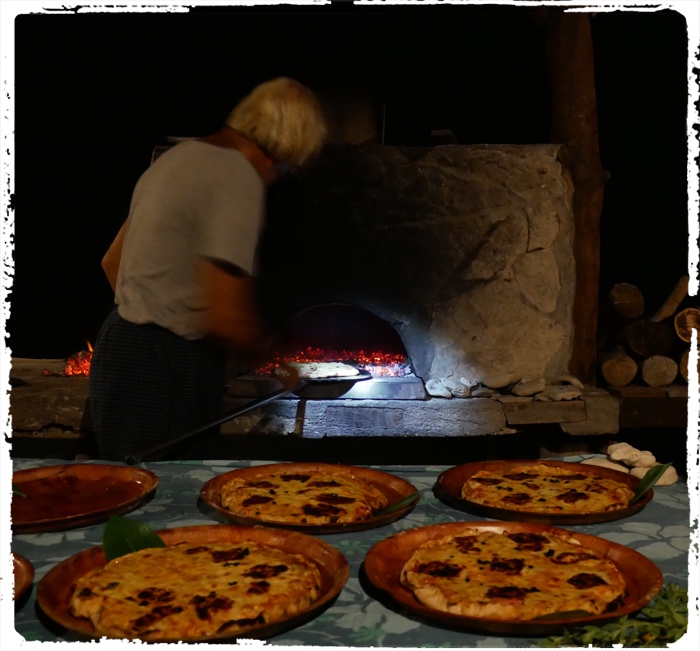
x: 645, y: 350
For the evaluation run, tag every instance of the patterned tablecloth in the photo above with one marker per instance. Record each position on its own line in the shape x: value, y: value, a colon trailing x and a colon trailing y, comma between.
x: 660, y: 531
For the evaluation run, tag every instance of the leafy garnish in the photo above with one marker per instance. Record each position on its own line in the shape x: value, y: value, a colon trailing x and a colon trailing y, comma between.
x: 16, y: 490
x: 396, y: 506
x: 650, y: 478
x: 124, y: 536
x: 663, y: 621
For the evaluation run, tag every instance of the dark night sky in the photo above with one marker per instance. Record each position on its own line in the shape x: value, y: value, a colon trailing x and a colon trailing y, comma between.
x: 95, y: 92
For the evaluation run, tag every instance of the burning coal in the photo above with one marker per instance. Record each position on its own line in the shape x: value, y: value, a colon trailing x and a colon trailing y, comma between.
x: 377, y: 363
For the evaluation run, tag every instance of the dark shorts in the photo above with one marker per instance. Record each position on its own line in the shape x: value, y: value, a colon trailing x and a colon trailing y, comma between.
x: 148, y: 385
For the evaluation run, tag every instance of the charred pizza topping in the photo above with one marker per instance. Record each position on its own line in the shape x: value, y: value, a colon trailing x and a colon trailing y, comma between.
x: 529, y: 541
x: 438, y: 568
x: 517, y: 498
x: 508, y: 592
x: 205, y: 605
x: 572, y: 495
x: 298, y: 477
x: 521, y: 476
x: 158, y: 613
x: 332, y: 498
x: 245, y: 622
x: 566, y: 558
x: 265, y: 571
x: 466, y: 544
x: 259, y: 587
x: 226, y: 556
x: 586, y: 580
x: 508, y: 565
x: 320, y: 509
x: 257, y: 499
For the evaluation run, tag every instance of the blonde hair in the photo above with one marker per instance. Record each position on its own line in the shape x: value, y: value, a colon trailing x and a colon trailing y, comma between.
x: 284, y: 118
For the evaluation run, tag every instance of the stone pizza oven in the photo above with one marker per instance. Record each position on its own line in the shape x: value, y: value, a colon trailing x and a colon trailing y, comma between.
x: 466, y: 251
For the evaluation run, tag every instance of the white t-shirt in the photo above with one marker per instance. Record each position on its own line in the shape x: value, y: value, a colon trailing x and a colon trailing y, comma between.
x: 196, y: 200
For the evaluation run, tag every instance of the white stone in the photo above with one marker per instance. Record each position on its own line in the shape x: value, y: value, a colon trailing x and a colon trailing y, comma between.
x: 561, y: 392
x: 529, y: 387
x: 568, y: 379
x: 437, y: 389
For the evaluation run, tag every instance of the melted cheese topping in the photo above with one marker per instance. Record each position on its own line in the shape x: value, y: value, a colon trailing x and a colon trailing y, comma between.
x: 193, y: 591
x: 516, y: 576
x: 540, y: 488
x: 304, y: 498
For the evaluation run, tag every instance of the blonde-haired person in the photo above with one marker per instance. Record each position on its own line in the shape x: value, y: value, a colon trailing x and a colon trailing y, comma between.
x: 182, y: 267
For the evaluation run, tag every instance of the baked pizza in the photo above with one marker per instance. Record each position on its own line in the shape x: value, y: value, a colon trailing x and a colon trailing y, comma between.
x: 512, y: 576
x: 542, y: 488
x: 191, y: 591
x: 320, y: 370
x: 307, y: 498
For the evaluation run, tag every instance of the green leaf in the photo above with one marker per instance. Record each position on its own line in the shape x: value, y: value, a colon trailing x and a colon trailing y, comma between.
x: 397, y: 506
x: 650, y: 478
x: 16, y: 490
x: 124, y: 536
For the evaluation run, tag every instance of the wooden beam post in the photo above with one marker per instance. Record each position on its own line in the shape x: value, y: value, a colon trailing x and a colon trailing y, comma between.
x: 574, y: 124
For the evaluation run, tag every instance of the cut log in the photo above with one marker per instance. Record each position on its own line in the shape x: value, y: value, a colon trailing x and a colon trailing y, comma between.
x: 626, y: 300
x: 646, y: 338
x: 673, y: 300
x: 617, y: 367
x: 685, y: 321
x: 623, y: 303
x: 658, y: 370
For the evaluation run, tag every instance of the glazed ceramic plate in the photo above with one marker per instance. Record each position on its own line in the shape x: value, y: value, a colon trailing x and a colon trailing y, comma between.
x: 54, y: 590
x: 449, y: 490
x: 24, y: 575
x: 74, y: 495
x: 394, y: 488
x: 385, y: 560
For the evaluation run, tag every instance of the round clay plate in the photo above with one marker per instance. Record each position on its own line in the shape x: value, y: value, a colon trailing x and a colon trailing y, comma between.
x: 449, y: 490
x: 394, y: 488
x: 74, y: 495
x: 24, y: 575
x: 55, y: 589
x: 385, y: 560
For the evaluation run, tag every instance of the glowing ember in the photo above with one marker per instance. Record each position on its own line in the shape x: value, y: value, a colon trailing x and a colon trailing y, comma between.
x: 77, y: 364
x: 378, y: 364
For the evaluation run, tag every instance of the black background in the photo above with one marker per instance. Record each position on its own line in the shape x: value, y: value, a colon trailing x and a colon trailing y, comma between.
x: 95, y: 92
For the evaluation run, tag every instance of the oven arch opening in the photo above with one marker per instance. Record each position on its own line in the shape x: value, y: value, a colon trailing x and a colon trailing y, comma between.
x: 344, y: 332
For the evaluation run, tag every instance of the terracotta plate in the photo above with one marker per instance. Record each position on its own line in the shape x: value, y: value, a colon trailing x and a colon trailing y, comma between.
x: 74, y: 495
x: 449, y: 489
x: 395, y: 489
x: 385, y: 560
x: 54, y: 590
x: 24, y: 575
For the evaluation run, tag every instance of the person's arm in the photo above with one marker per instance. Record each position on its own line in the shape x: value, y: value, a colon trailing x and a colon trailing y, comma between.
x: 112, y: 259
x: 231, y: 314
x: 232, y: 317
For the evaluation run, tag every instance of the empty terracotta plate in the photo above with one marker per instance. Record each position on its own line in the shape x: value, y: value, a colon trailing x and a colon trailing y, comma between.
x: 74, y: 495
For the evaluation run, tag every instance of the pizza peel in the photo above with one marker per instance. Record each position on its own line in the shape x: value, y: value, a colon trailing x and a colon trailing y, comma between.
x: 208, y: 428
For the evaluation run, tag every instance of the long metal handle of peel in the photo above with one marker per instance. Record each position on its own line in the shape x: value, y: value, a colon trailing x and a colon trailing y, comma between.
x: 138, y: 457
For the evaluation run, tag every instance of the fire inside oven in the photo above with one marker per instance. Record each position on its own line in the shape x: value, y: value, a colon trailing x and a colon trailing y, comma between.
x: 345, y: 333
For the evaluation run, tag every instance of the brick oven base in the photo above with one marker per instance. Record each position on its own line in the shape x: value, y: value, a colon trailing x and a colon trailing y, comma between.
x: 57, y: 407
